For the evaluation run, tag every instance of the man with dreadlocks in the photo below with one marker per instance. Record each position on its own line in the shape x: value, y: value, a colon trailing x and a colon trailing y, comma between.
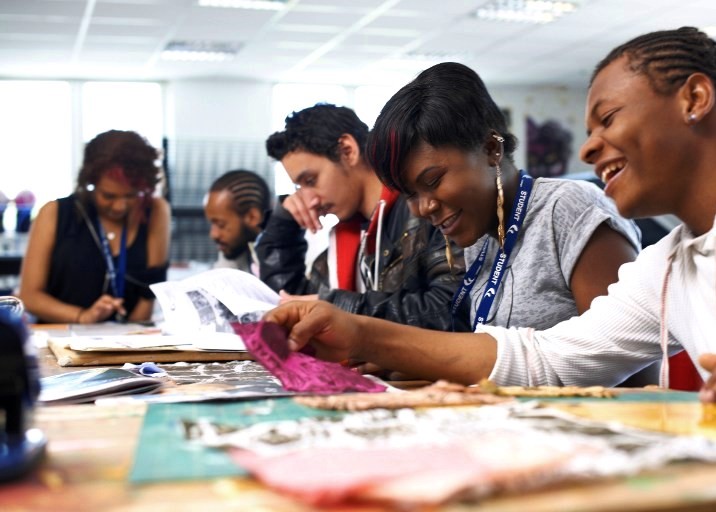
x: 236, y: 206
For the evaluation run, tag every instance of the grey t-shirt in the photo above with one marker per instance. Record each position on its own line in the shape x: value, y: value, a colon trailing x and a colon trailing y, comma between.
x: 561, y: 217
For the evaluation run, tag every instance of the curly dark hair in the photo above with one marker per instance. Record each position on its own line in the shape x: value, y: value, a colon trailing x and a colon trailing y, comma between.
x: 447, y: 105
x: 316, y: 130
x: 667, y: 57
x: 116, y: 148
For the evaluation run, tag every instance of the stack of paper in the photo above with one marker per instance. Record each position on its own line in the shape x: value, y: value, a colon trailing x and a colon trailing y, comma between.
x: 88, y: 385
x: 211, y: 341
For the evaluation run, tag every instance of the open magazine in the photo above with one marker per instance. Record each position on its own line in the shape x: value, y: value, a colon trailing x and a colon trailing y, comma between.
x: 85, y: 386
x: 211, y: 301
x: 198, y: 312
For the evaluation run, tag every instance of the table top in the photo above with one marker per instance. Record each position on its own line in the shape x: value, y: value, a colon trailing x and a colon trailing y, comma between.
x: 91, y: 451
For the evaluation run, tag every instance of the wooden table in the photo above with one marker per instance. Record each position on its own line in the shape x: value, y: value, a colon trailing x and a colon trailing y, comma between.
x: 91, y: 449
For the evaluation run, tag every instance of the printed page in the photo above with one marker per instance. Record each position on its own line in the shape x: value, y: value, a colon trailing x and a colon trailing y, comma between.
x: 208, y: 341
x: 212, y: 300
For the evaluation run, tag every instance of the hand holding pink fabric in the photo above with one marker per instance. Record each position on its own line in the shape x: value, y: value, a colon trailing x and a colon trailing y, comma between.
x: 298, y: 371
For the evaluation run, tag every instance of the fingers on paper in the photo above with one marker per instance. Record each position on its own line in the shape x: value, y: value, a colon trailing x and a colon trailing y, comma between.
x: 708, y: 391
x: 304, y: 321
x: 708, y: 361
x: 284, y: 297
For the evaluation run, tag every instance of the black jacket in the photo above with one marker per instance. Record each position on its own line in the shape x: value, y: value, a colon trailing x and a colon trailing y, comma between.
x: 416, y: 285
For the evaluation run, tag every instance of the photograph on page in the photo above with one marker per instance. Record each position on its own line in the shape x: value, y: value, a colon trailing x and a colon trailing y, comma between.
x: 213, y: 300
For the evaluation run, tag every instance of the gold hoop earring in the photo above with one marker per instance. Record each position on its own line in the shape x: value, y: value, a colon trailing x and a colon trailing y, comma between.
x: 500, y: 194
x: 500, y: 206
x: 448, y: 252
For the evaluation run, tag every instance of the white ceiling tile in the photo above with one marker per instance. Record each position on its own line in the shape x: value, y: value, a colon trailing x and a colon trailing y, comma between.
x: 365, y: 41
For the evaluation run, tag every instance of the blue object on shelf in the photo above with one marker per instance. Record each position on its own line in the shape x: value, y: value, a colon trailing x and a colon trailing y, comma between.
x: 23, y: 219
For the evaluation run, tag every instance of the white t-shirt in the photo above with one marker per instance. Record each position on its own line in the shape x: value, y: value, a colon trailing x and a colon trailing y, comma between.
x: 621, y: 332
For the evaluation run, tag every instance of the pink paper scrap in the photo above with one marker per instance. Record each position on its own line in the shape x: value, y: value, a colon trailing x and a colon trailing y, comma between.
x: 297, y: 371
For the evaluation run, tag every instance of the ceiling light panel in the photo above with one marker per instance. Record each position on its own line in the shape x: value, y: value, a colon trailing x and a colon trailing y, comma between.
x: 200, y: 51
x: 259, y: 5
x: 525, y: 11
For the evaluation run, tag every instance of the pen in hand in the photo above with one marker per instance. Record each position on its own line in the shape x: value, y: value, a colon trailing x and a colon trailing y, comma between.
x: 120, y: 315
x: 103, y: 308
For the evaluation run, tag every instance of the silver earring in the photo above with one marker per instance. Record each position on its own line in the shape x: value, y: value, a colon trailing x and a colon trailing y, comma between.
x: 692, y: 118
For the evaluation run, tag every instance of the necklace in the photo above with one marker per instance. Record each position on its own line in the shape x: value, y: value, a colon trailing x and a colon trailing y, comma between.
x: 111, y: 235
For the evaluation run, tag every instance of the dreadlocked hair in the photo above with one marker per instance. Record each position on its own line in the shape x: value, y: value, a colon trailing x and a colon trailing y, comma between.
x: 248, y: 190
x: 667, y: 57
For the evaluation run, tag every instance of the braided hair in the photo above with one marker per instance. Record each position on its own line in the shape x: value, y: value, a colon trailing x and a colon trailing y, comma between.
x: 248, y: 190
x: 667, y: 57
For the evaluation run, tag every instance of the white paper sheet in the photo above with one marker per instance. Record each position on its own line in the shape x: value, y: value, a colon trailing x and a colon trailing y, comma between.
x: 210, y: 341
x: 211, y: 300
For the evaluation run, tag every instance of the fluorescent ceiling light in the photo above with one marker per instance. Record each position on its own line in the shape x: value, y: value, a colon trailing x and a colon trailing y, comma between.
x: 178, y: 55
x: 200, y: 51
x: 439, y: 56
x: 525, y: 11
x: 261, y: 5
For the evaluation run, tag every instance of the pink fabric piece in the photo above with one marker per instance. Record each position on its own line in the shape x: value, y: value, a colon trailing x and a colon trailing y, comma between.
x: 428, y: 474
x: 297, y: 371
x: 328, y: 476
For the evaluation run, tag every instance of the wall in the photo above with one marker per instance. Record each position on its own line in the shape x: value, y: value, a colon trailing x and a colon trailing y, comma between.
x: 218, y: 108
x: 240, y: 109
x: 214, y: 125
x: 562, y: 104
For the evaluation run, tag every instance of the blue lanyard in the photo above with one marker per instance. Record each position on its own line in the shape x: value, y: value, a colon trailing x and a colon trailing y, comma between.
x: 116, y: 275
x: 517, y: 217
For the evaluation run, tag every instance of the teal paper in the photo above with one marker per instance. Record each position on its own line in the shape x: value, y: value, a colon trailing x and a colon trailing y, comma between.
x: 163, y: 453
